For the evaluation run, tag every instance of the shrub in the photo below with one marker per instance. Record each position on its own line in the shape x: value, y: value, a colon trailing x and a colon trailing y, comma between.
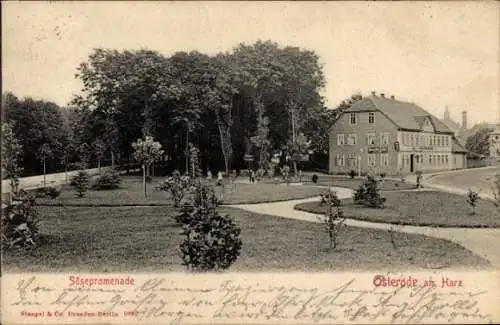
x: 285, y: 173
x: 177, y: 185
x: 108, y: 181
x: 271, y: 170
x: 81, y: 183
x: 48, y: 192
x: 383, y: 175
x: 260, y: 173
x: 334, y: 216
x: 368, y: 194
x: 352, y: 174
x: 472, y: 198
x: 314, y: 178
x: 20, y: 222
x: 212, y: 242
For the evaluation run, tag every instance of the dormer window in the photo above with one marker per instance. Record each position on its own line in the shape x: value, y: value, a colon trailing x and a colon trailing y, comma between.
x: 352, y: 118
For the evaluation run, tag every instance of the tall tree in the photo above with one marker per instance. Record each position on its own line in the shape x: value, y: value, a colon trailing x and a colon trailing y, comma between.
x: 260, y: 74
x: 128, y: 88
x: 303, y: 80
x: 11, y: 156
x: 478, y: 142
x: 36, y: 122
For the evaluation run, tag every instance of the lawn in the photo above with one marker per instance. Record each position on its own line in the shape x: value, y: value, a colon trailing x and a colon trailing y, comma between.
x: 131, y: 193
x: 422, y: 208
x: 343, y: 181
x: 354, y: 183
x: 127, y: 239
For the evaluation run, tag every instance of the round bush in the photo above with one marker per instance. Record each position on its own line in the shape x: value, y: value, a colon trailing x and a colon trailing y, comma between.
x: 212, y: 242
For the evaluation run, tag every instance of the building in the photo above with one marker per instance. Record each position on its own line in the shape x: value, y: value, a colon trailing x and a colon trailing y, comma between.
x: 494, y: 141
x: 461, y: 132
x: 380, y: 134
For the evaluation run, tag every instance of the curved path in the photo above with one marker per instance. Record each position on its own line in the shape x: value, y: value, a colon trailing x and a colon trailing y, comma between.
x: 483, y: 242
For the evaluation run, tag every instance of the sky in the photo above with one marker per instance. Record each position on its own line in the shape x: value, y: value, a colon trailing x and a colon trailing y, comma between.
x: 435, y: 54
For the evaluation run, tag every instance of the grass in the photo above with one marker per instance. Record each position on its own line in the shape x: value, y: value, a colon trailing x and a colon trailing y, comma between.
x: 355, y: 183
x: 126, y: 239
x: 131, y: 193
x: 344, y: 181
x: 420, y: 208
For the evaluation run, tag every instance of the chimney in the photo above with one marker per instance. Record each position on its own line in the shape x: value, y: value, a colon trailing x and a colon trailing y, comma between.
x: 392, y: 97
x: 446, y: 114
x: 382, y: 95
x: 373, y: 93
x: 464, y: 120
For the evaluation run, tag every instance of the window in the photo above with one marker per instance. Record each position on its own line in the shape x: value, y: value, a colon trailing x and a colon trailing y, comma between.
x: 340, y: 139
x: 352, y: 118
x: 370, y: 138
x: 372, y: 160
x: 371, y: 118
x: 430, y: 159
x: 447, y: 141
x: 405, y: 139
x: 339, y: 161
x: 352, y: 160
x: 384, y: 160
x: 351, y: 139
x: 384, y: 139
x: 446, y: 159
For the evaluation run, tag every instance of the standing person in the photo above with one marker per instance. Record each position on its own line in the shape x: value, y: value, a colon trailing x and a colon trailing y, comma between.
x: 209, y: 175
x: 219, y: 178
x: 300, y: 175
x: 252, y: 177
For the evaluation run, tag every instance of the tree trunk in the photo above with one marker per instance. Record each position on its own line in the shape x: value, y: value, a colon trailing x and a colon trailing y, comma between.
x: 99, y: 165
x: 144, y: 180
x: 187, y: 149
x: 225, y: 142
x: 128, y: 164
x: 44, y: 173
x: 295, y: 167
x: 112, y: 160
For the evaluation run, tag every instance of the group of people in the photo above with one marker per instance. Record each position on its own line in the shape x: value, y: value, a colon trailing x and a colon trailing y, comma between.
x: 219, y: 177
x: 251, y: 176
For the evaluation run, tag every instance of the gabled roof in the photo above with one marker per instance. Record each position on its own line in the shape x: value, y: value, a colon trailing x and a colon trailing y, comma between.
x: 406, y: 116
x: 452, y: 125
x: 456, y: 147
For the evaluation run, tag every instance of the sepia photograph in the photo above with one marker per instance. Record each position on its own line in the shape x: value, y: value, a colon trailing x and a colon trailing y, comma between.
x: 250, y: 162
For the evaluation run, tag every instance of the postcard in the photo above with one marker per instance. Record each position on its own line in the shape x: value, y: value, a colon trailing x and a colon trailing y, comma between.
x: 211, y: 162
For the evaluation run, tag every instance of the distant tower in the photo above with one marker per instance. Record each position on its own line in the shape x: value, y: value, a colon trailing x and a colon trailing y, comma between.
x: 464, y: 120
x: 446, y: 116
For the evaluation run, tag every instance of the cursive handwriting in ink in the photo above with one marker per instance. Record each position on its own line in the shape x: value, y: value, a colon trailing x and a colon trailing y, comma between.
x: 28, y: 292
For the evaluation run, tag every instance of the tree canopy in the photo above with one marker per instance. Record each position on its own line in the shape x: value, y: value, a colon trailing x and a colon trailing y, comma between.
x: 224, y: 104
